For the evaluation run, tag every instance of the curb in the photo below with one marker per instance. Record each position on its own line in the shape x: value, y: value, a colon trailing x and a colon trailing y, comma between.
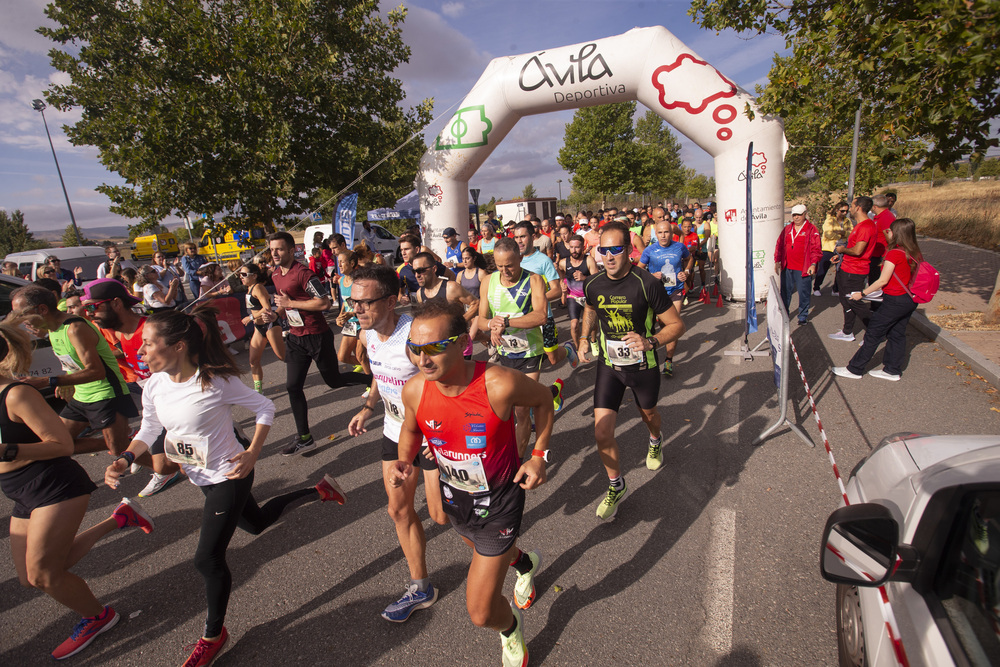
x: 981, y: 364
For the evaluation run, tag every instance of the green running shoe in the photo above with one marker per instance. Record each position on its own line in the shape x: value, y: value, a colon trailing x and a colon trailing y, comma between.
x: 654, y: 457
x: 609, y: 506
x: 524, y: 587
x: 668, y: 369
x: 515, y: 651
x: 557, y: 399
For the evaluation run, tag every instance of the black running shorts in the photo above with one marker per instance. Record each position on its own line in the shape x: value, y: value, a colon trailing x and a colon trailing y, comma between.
x: 100, y: 414
x: 44, y: 483
x: 491, y: 522
x: 611, y: 384
x: 524, y: 364
x: 390, y: 452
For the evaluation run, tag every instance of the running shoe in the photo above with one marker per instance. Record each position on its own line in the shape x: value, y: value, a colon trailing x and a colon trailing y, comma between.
x: 844, y: 372
x: 557, y: 400
x: 515, y: 651
x: 412, y: 600
x: 668, y: 369
x: 130, y: 513
x: 595, y: 351
x: 134, y: 469
x: 524, y: 587
x: 159, y: 482
x: 368, y: 391
x: 358, y: 368
x: 840, y: 335
x: 834, y: 293
x: 205, y: 651
x: 329, y: 489
x: 85, y: 631
x: 882, y: 375
x: 654, y: 457
x: 816, y: 292
x: 299, y: 446
x: 571, y: 354
x: 609, y: 506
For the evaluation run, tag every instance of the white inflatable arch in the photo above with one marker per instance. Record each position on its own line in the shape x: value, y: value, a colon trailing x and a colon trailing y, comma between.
x: 645, y: 64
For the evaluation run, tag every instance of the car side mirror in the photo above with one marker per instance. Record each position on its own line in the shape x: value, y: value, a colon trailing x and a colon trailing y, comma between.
x: 860, y: 545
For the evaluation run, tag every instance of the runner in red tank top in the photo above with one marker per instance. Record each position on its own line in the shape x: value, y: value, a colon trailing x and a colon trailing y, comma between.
x: 465, y: 409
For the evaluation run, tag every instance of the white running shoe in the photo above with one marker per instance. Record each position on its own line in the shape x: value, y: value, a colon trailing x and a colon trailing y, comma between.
x: 840, y: 335
x: 158, y: 483
x: 816, y: 292
x: 882, y: 375
x: 844, y: 372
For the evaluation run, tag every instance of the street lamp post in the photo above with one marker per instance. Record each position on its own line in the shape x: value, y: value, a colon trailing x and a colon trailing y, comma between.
x: 559, y: 181
x: 39, y: 106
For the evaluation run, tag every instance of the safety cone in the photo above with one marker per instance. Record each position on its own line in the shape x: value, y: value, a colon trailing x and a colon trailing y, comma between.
x: 715, y: 290
x: 718, y: 302
x: 703, y: 297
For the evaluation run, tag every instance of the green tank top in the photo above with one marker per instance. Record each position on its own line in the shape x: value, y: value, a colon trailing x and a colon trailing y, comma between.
x: 98, y: 390
x: 513, y: 302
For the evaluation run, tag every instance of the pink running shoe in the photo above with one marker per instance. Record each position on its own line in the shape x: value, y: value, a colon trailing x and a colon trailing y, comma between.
x: 85, y: 631
x: 130, y: 513
x: 329, y: 489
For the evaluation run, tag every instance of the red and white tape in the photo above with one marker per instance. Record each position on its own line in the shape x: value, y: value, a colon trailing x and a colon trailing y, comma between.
x: 888, y: 616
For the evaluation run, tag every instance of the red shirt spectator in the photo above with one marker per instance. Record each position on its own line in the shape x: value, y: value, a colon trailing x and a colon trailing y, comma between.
x: 864, y: 231
x: 797, y: 250
x: 901, y: 270
x: 882, y: 221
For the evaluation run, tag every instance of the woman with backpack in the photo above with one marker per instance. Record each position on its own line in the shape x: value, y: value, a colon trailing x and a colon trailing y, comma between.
x: 889, y: 321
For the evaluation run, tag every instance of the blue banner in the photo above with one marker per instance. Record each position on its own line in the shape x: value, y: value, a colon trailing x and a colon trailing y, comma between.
x: 343, y: 220
x: 751, y: 326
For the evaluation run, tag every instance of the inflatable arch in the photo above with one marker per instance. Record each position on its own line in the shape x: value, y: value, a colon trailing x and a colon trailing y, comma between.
x: 645, y: 64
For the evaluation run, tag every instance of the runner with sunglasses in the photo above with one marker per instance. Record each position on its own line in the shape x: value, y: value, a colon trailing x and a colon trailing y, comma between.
x: 512, y: 307
x: 254, y: 276
x: 625, y: 301
x: 465, y: 409
x: 384, y: 332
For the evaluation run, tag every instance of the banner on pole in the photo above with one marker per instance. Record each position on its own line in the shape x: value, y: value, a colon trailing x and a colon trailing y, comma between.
x: 751, y: 325
x: 344, y: 217
x: 774, y: 323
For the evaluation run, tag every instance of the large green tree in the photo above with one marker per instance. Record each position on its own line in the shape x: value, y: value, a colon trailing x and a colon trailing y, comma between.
x: 206, y: 106
x: 660, y: 169
x: 923, y: 72
x: 69, y: 238
x: 529, y: 191
x: 14, y: 234
x: 599, y: 149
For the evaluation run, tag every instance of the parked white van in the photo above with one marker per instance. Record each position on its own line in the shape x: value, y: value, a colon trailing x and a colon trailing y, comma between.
x: 386, y: 243
x: 88, y: 257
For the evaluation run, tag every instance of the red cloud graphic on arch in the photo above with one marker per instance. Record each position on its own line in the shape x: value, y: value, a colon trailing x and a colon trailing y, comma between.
x: 700, y: 86
x: 759, y: 160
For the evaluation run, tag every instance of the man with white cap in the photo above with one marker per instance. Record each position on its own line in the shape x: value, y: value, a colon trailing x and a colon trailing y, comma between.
x: 796, y: 254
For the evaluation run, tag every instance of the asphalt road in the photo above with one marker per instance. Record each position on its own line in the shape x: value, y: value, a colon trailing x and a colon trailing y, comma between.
x: 713, y: 560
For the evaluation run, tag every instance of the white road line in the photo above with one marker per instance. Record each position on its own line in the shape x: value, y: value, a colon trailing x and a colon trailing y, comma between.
x: 719, y: 594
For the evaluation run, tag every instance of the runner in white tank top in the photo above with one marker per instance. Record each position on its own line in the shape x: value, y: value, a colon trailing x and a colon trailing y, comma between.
x: 384, y: 333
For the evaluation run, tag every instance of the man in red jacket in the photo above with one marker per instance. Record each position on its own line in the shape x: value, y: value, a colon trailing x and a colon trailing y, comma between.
x: 798, y: 250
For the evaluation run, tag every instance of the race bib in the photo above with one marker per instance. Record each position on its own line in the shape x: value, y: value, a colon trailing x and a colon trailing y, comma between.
x: 351, y: 328
x: 582, y: 300
x: 468, y: 476
x: 669, y: 279
x: 620, y: 354
x: 294, y: 317
x: 393, y: 410
x: 192, y: 451
x: 514, y: 342
x: 68, y: 363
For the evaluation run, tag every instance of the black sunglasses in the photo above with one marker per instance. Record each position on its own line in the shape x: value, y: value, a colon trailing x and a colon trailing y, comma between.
x: 354, y: 303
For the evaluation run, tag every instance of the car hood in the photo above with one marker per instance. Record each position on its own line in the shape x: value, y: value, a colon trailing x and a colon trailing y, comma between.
x: 931, y: 450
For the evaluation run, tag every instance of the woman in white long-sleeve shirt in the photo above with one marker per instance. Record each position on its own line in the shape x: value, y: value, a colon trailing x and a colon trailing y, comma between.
x: 193, y: 386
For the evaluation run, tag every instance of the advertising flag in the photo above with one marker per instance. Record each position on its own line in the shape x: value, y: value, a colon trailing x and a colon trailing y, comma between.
x: 344, y: 218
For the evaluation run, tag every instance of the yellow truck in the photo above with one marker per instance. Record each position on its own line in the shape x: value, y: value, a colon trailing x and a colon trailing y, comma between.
x: 143, y: 247
x: 241, y: 244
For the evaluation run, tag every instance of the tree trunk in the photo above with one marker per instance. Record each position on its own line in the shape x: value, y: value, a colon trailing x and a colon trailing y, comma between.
x: 992, y: 315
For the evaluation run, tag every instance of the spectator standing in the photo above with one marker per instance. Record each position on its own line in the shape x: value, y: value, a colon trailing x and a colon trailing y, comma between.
x: 190, y: 263
x: 854, y: 258
x: 883, y: 218
x: 112, y: 267
x: 796, y: 254
x: 836, y: 228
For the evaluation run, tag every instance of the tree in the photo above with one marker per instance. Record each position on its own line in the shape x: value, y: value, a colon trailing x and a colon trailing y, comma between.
x: 923, y: 71
x: 529, y: 191
x: 660, y: 169
x: 491, y: 205
x: 69, y: 237
x: 598, y: 149
x: 216, y: 105
x: 14, y: 234
x: 698, y: 185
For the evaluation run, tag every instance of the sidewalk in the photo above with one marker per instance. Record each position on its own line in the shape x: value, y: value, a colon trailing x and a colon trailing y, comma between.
x: 967, y: 278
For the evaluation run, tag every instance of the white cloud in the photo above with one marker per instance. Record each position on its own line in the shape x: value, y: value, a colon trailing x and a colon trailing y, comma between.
x: 21, y: 19
x: 453, y: 9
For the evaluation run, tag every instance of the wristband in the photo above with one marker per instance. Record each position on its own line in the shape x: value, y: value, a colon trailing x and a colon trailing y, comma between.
x: 53, y: 381
x: 9, y: 453
x: 544, y: 455
x: 368, y: 407
x: 128, y: 456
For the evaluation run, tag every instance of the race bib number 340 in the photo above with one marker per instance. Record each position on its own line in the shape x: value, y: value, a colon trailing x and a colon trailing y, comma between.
x: 468, y: 476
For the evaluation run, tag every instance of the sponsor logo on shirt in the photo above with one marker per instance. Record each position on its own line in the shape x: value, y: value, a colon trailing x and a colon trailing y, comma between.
x: 475, y: 441
x: 507, y: 532
x: 475, y: 428
x: 433, y: 425
x: 438, y: 441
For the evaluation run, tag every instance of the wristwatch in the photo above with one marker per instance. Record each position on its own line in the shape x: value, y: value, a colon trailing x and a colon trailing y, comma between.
x: 652, y: 342
x: 506, y: 322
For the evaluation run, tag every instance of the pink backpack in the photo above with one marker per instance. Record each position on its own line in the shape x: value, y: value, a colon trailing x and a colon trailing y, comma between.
x: 924, y: 282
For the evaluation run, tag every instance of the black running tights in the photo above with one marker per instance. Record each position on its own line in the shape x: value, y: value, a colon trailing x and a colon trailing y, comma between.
x: 227, y: 505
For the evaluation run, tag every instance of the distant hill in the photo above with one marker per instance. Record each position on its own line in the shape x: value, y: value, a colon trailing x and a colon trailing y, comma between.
x: 115, y: 233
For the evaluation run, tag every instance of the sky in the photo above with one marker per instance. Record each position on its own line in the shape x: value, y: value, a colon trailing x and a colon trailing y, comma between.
x: 452, y: 42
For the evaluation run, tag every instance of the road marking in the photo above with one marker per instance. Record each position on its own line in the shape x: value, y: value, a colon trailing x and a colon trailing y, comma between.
x: 720, y: 590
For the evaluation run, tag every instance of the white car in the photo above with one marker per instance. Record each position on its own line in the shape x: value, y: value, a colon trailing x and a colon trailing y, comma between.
x: 923, y: 525
x: 43, y: 359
